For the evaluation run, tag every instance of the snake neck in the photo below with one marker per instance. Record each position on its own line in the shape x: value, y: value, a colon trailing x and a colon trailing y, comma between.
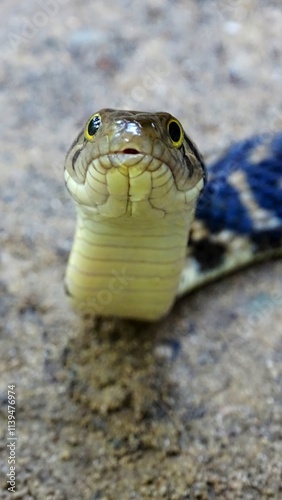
x: 126, y: 267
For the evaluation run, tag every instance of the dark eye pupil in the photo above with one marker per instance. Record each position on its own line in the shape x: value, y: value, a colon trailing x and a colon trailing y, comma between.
x: 93, y: 125
x: 174, y: 131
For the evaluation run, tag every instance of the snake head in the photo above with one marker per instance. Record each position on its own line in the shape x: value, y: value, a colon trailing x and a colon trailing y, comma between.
x: 126, y: 163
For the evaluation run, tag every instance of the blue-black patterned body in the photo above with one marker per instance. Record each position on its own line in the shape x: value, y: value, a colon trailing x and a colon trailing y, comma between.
x: 243, y: 200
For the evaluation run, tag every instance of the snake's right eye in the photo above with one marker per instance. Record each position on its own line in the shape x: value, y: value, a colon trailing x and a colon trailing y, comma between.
x: 92, y: 126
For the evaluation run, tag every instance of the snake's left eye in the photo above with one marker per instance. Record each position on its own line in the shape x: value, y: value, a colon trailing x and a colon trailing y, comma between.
x: 175, y: 132
x: 92, y: 126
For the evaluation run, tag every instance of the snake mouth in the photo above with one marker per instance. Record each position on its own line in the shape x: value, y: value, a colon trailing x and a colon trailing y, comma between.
x: 129, y: 151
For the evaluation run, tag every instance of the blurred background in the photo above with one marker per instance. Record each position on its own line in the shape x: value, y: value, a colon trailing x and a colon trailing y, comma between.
x: 188, y: 408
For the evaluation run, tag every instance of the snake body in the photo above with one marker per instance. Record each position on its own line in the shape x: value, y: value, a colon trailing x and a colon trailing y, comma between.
x: 137, y: 180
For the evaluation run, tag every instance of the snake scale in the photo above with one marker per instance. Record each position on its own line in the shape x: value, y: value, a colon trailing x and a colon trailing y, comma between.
x: 152, y: 224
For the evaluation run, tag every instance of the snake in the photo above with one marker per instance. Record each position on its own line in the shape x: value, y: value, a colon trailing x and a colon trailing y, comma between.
x: 154, y: 222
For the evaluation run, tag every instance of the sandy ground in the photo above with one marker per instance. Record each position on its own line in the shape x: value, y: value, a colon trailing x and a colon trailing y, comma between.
x: 188, y: 408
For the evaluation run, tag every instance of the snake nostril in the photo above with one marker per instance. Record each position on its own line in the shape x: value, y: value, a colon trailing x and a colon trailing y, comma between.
x: 130, y: 151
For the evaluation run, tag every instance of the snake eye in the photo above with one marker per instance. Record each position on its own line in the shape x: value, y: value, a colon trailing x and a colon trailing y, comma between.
x: 92, y: 126
x: 175, y: 132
